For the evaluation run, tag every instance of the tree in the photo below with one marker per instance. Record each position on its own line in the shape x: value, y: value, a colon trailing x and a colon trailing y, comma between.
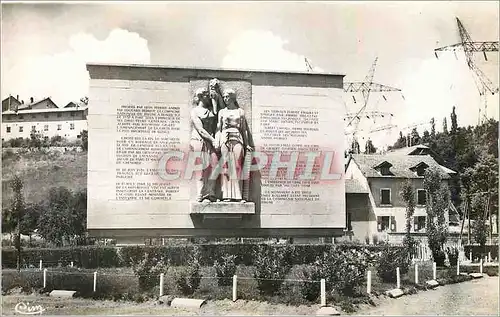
x: 17, y: 211
x: 454, y: 125
x: 370, y: 148
x: 79, y: 207
x: 400, y: 143
x: 483, y: 181
x: 355, y: 146
x: 29, y: 220
x: 407, y: 193
x: 85, y: 140
x: 57, y: 219
x: 84, y: 100
x: 426, y: 138
x: 414, y: 137
x: 437, y: 204
x: 445, y: 126
x: 433, y: 128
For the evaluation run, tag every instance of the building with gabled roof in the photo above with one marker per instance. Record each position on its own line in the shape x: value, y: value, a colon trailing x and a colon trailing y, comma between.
x: 43, y: 116
x: 373, y: 203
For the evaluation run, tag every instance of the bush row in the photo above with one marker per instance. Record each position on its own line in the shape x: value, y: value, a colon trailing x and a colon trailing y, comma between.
x: 478, y: 251
x: 104, y: 257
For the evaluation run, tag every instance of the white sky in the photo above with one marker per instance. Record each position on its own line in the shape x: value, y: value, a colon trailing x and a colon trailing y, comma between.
x: 45, y: 47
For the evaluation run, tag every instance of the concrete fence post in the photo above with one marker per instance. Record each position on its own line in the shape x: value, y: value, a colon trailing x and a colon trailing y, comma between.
x: 95, y: 281
x: 44, y: 278
x: 369, y: 282
x: 41, y: 264
x: 416, y: 273
x: 235, y: 288
x: 458, y: 266
x: 470, y: 257
x: 71, y: 264
x: 434, y: 271
x: 323, y: 292
x: 489, y: 256
x: 398, y: 278
x: 481, y: 266
x: 161, y: 284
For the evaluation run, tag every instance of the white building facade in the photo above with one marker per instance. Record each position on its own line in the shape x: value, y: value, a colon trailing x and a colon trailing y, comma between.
x: 46, y: 118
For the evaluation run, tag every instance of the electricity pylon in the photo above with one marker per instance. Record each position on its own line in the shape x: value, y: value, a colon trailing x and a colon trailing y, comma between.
x: 483, y: 83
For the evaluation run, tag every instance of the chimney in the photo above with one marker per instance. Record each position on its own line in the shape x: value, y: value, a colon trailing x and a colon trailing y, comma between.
x: 31, y: 100
x: 17, y: 97
x: 22, y: 102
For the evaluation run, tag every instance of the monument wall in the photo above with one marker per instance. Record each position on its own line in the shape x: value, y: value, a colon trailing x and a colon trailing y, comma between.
x: 139, y: 113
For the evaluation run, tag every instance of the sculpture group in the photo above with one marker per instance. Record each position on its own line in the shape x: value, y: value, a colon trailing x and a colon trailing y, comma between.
x: 221, y: 134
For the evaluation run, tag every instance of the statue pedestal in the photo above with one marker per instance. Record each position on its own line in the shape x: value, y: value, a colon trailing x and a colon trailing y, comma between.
x: 222, y: 209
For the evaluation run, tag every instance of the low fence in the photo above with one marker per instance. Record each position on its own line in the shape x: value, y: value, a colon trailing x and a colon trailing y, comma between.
x: 125, y: 285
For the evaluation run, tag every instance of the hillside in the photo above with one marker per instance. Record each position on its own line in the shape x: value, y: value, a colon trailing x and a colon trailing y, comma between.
x: 42, y: 171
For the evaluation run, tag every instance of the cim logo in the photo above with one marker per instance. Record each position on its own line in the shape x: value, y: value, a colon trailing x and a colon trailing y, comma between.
x: 26, y: 309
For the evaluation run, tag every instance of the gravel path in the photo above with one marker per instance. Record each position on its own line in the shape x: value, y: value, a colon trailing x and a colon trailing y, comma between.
x: 476, y: 297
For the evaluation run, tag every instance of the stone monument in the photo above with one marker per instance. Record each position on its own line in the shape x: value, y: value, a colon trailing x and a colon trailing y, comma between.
x: 164, y: 143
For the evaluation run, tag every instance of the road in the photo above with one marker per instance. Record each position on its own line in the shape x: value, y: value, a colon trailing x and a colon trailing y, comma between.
x: 477, y: 297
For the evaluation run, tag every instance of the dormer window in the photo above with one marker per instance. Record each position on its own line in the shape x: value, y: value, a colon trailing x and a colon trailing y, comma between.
x: 384, y: 168
x: 419, y: 169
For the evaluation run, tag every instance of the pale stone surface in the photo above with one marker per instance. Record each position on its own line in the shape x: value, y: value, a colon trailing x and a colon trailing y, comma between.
x: 223, y: 208
x: 62, y: 293
x: 327, y: 311
x: 395, y: 293
x: 476, y: 275
x: 187, y: 303
x: 432, y: 283
x: 113, y: 87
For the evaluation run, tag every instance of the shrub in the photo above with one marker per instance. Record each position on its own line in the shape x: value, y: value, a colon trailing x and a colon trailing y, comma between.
x: 390, y: 259
x: 271, y: 266
x: 452, y: 255
x: 439, y: 257
x: 344, y: 269
x: 188, y: 279
x: 225, y: 269
x: 148, y: 270
x: 310, y: 286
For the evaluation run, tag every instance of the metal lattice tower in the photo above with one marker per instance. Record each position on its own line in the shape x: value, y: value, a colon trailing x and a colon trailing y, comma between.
x: 483, y: 83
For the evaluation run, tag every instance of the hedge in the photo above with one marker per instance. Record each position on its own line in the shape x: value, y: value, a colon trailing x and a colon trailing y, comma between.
x: 478, y: 251
x: 104, y: 257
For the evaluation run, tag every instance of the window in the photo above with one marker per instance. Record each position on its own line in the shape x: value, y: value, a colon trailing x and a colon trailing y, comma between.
x: 384, y: 168
x: 383, y: 223
x: 421, y: 171
x: 20, y: 129
x: 72, y: 114
x: 33, y: 116
x: 8, y: 129
x: 33, y: 128
x: 59, y: 126
x: 46, y: 127
x: 419, y: 223
x: 71, y: 126
x: 21, y: 116
x: 421, y: 197
x: 59, y: 115
x: 46, y: 115
x: 385, y: 196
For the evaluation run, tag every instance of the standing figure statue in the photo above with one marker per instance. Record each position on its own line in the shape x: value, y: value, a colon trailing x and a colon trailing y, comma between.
x: 216, y: 95
x: 234, y: 141
x: 204, y: 122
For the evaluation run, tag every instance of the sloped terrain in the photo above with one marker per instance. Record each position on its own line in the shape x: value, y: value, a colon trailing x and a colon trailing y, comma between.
x: 41, y: 171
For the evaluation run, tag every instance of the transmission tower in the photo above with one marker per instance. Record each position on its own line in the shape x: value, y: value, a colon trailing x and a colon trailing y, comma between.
x: 483, y: 83
x: 366, y: 87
